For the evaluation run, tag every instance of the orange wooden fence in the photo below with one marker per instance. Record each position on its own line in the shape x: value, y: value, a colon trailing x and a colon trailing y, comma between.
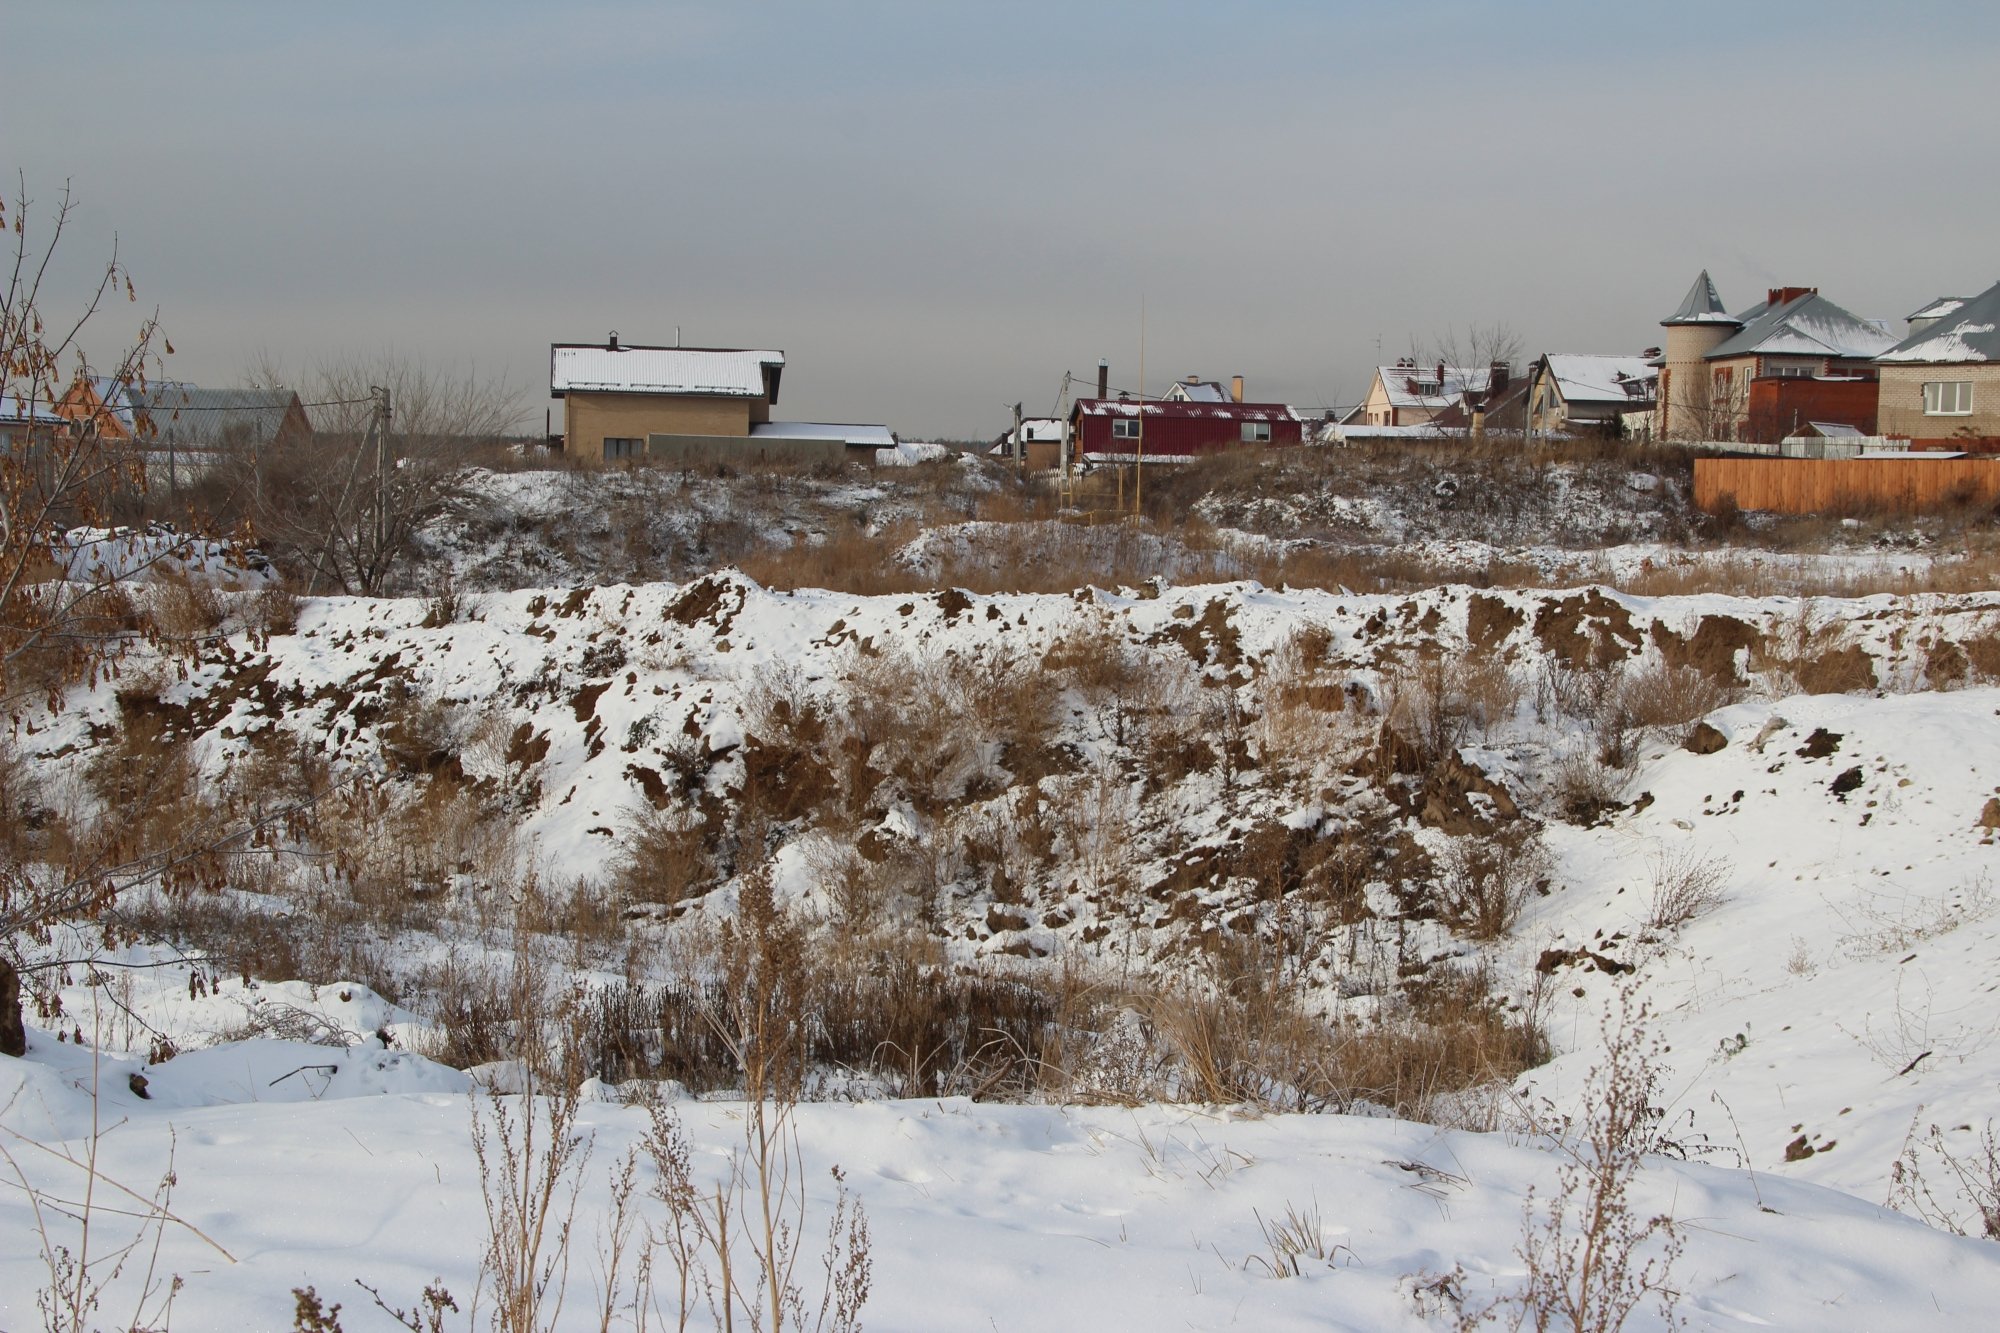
x: 1844, y: 485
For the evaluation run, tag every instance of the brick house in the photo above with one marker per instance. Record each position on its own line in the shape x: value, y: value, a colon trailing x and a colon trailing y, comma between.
x: 1940, y: 386
x: 615, y: 397
x: 1758, y: 374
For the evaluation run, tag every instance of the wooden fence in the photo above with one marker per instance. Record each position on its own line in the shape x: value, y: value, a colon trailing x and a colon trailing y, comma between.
x: 1846, y: 485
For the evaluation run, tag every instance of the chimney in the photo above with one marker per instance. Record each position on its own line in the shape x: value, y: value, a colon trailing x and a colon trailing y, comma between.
x: 1440, y: 377
x: 612, y: 345
x: 1235, y: 388
x: 1103, y: 378
x: 1192, y: 379
x: 1787, y: 295
x: 1497, y: 376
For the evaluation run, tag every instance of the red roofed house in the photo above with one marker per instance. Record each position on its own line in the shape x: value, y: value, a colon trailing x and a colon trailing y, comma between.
x: 1124, y: 430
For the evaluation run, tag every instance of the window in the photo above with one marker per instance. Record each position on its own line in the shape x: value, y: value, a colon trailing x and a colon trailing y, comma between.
x: 1124, y: 428
x: 1948, y: 398
x: 617, y: 447
x: 1256, y: 432
x: 1793, y: 372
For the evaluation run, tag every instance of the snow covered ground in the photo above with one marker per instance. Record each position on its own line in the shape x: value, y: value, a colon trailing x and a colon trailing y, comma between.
x: 317, y: 1167
x: 1830, y: 1005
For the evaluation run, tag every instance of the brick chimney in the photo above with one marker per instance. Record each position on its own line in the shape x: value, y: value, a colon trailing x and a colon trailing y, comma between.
x: 1497, y: 376
x: 1235, y: 388
x: 1440, y: 377
x: 1103, y: 379
x: 1786, y: 295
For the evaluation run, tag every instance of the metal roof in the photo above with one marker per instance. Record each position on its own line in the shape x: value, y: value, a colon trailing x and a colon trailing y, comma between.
x: 1458, y: 380
x: 1589, y: 377
x: 1808, y: 325
x: 1702, y: 305
x: 1938, y: 309
x: 1153, y: 407
x: 15, y: 411
x: 1970, y: 334
x: 708, y: 371
x: 872, y: 436
x: 186, y: 414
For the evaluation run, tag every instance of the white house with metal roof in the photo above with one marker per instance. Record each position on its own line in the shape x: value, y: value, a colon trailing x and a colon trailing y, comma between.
x: 1588, y: 390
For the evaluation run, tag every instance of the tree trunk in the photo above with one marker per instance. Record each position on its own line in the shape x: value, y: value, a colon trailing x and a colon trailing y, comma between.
x: 13, y: 1035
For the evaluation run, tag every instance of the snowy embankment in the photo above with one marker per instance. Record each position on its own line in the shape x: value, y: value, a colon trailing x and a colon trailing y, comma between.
x: 1831, y: 1000
x: 312, y: 1167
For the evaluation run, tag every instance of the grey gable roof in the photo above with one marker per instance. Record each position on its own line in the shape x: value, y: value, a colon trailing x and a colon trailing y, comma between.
x: 1808, y: 325
x: 1702, y: 305
x: 184, y: 414
x: 1970, y: 333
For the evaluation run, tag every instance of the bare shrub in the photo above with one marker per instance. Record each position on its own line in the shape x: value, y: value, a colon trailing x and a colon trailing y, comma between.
x: 1582, y: 787
x: 1591, y: 1258
x: 1661, y: 699
x: 1686, y: 884
x: 531, y: 1159
x: 1485, y: 882
x: 665, y: 858
x: 1966, y: 1171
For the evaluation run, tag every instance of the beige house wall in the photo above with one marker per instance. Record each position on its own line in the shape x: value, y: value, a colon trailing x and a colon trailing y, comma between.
x: 590, y: 418
x: 1380, y: 411
x: 1901, y: 407
x: 1684, y: 410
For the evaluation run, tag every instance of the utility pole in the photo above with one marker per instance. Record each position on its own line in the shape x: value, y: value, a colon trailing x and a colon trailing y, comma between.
x: 1139, y: 468
x: 381, y: 424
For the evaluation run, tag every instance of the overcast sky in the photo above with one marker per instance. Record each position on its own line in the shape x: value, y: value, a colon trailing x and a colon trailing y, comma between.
x: 936, y: 209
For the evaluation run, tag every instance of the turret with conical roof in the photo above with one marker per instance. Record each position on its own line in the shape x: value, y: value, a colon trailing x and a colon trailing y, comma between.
x: 1702, y: 305
x: 1698, y: 327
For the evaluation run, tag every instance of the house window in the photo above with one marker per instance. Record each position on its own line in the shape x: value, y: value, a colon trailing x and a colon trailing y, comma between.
x: 1124, y: 428
x: 1948, y: 398
x: 1256, y: 432
x: 618, y: 447
x: 1792, y: 372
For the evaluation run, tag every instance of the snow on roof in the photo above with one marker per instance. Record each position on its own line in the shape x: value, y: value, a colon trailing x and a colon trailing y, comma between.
x: 1971, y: 333
x: 1047, y: 430
x: 1808, y: 325
x: 1702, y: 305
x: 16, y: 412
x: 1418, y: 386
x: 880, y: 437
x: 727, y: 372
x: 1113, y: 407
x: 1837, y: 430
x: 1938, y: 309
x: 1589, y: 377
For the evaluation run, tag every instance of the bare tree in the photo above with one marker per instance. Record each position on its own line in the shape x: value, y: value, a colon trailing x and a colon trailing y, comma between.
x: 343, y: 509
x: 58, y: 619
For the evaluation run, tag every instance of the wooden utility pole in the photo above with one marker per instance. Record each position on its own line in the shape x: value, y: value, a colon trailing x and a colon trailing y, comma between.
x: 381, y: 425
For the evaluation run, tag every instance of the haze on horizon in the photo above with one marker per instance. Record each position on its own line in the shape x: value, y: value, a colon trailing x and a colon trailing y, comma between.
x: 936, y: 210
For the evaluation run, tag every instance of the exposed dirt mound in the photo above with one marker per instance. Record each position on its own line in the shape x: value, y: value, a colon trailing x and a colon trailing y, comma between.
x: 1587, y: 630
x: 1488, y: 621
x: 714, y: 599
x: 1704, y: 739
x: 1712, y: 649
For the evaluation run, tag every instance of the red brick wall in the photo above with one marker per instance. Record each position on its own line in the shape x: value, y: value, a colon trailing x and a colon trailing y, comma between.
x: 1779, y: 406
